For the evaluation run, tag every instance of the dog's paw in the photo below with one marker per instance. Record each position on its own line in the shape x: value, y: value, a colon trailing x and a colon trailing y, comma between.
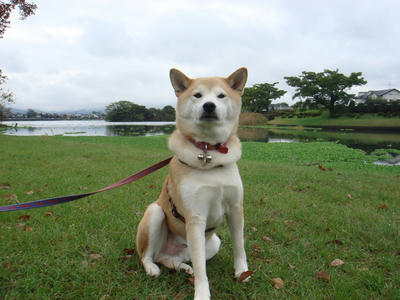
x: 186, y: 268
x: 243, y: 276
x: 152, y: 269
x: 205, y: 295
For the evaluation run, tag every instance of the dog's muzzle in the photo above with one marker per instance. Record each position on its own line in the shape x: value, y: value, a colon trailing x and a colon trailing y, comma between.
x: 209, y: 113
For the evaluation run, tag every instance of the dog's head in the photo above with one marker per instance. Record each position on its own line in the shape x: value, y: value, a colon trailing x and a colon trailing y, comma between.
x: 208, y: 108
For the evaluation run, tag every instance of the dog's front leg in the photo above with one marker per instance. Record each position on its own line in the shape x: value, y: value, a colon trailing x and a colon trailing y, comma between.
x: 195, y: 236
x: 236, y: 223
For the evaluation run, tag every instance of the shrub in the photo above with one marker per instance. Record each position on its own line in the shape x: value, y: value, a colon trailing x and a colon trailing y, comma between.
x: 250, y: 118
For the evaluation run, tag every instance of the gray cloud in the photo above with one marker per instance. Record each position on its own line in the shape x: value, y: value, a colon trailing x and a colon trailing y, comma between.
x: 87, y: 54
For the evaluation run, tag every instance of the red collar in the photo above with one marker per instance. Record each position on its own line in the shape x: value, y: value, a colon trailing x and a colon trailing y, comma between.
x: 221, y: 148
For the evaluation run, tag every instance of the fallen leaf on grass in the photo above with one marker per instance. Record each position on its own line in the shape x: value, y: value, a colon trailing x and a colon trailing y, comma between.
x: 323, y: 276
x: 29, y: 192
x: 24, y: 217
x: 178, y: 296
x: 48, y: 213
x: 363, y: 269
x: 330, y: 169
x: 292, y: 266
x: 256, y: 248
x: 129, y: 251
x: 95, y: 256
x: 321, y: 168
x: 254, y: 229
x: 337, y: 262
x: 27, y: 228
x: 126, y: 257
x: 349, y: 196
x: 383, y: 206
x: 151, y: 186
x: 265, y: 238
x: 245, y: 275
x: 39, y: 191
x: 11, y: 197
x: 5, y: 186
x: 277, y: 283
x: 83, y: 188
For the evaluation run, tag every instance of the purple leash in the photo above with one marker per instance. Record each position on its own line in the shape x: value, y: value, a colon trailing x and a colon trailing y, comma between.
x: 65, y: 199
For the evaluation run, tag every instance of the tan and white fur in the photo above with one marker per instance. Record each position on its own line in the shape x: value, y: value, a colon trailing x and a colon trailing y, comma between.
x: 203, y: 193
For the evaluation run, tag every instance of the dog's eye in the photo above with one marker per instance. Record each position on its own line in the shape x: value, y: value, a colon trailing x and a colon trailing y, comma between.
x: 221, y: 96
x: 197, y: 95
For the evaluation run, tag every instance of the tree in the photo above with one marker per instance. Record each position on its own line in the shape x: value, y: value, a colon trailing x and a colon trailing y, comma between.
x: 327, y: 88
x: 6, y: 97
x: 167, y: 113
x: 31, y: 113
x: 128, y: 111
x: 119, y: 111
x: 25, y: 10
x: 258, y: 97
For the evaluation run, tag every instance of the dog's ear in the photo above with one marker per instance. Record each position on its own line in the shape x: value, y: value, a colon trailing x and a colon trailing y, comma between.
x: 179, y: 81
x: 237, y: 80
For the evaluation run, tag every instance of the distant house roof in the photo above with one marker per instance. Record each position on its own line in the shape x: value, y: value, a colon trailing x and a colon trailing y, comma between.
x: 378, y: 93
x: 383, y: 92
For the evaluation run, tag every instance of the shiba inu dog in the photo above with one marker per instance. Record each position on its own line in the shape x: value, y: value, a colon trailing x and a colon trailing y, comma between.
x: 203, y: 184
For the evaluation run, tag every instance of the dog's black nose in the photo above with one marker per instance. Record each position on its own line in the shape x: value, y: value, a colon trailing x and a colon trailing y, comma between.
x: 209, y: 107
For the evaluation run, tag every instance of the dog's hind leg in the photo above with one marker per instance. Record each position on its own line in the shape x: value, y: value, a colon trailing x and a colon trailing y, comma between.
x: 151, y: 237
x: 175, y: 263
x: 212, y: 246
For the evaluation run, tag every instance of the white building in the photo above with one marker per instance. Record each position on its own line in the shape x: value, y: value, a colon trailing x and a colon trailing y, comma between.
x: 389, y: 94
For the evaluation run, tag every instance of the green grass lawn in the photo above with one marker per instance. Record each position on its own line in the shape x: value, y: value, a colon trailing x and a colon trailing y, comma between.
x: 305, y: 205
x: 365, y: 120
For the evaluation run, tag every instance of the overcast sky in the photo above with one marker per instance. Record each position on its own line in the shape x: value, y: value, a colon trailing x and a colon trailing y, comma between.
x: 74, y: 55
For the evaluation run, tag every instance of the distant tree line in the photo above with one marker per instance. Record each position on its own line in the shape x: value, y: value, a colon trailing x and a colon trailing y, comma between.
x: 307, y: 108
x: 326, y: 89
x: 378, y: 105
x: 126, y: 111
x: 34, y: 115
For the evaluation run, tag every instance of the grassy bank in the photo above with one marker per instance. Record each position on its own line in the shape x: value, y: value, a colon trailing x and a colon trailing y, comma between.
x: 365, y: 120
x: 3, y: 128
x: 305, y: 205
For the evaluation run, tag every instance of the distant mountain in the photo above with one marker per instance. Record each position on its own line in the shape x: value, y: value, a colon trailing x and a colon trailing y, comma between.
x: 18, y: 111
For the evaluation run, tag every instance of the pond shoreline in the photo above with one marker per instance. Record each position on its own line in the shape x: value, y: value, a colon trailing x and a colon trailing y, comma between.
x: 366, y: 138
x: 331, y: 127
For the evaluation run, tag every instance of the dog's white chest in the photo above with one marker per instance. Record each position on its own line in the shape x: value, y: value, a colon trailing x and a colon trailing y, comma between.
x: 209, y: 194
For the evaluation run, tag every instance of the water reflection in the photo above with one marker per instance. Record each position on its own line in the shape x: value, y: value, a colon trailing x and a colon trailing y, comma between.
x: 263, y: 135
x: 90, y: 128
x: 365, y: 140
x: 137, y: 130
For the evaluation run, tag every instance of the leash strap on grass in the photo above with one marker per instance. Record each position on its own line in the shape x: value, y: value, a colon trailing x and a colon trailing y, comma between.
x: 65, y: 199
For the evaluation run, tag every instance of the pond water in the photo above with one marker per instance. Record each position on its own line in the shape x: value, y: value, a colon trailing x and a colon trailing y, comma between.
x: 89, y: 128
x: 367, y: 140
